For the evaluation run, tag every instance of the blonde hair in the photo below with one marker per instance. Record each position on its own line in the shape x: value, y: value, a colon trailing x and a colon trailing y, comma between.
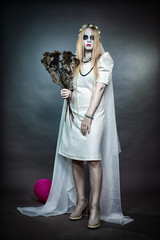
x: 95, y: 51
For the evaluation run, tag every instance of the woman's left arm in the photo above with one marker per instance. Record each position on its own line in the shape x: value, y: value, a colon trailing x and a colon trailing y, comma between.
x: 105, y: 66
x: 95, y: 101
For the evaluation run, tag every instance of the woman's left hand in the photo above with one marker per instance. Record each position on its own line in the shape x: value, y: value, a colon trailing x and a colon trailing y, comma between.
x: 86, y: 125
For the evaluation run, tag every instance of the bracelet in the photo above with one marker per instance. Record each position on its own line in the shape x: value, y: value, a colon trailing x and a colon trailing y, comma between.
x: 88, y: 116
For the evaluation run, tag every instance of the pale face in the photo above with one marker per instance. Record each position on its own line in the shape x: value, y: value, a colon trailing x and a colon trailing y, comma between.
x: 88, y: 39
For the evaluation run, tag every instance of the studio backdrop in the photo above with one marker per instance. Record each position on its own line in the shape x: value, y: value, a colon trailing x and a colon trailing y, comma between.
x: 32, y: 103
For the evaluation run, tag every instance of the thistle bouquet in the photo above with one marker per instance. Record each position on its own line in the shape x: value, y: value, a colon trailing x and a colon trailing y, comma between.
x: 61, y: 66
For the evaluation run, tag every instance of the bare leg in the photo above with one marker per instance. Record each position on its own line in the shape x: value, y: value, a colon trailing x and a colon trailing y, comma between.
x: 95, y: 176
x: 79, y: 179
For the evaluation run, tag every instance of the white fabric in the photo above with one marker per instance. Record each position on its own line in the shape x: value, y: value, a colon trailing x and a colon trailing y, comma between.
x: 74, y: 144
x: 63, y: 197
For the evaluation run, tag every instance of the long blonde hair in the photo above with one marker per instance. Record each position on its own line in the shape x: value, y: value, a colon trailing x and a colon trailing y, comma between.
x: 95, y: 51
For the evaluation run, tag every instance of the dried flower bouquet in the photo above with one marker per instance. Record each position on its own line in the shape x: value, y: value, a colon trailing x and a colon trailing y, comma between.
x: 61, y: 67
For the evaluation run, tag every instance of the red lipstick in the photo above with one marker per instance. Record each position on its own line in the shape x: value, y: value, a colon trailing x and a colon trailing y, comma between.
x: 88, y: 45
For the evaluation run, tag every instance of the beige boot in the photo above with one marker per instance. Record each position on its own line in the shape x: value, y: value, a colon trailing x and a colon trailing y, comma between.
x: 80, y: 210
x: 94, y: 219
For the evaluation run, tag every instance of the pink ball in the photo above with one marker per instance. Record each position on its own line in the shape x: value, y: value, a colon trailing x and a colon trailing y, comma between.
x: 42, y: 189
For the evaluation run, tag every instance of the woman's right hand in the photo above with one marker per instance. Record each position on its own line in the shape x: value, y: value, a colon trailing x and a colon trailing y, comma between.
x: 66, y: 93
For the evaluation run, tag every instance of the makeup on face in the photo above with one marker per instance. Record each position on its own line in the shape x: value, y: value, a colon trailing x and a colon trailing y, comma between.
x: 85, y: 37
x: 88, y: 39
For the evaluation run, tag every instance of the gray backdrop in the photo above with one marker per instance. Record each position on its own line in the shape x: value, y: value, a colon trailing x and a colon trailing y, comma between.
x: 32, y: 103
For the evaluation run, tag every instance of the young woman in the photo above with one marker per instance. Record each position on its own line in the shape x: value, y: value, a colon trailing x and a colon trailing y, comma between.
x: 92, y: 139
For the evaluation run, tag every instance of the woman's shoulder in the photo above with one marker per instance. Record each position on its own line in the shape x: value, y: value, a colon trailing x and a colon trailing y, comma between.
x: 105, y: 59
x: 105, y: 55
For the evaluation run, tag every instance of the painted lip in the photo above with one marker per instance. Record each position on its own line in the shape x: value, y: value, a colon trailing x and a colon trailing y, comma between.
x: 88, y: 45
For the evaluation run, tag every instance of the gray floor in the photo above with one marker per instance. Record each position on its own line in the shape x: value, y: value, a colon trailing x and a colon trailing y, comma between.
x: 143, y: 207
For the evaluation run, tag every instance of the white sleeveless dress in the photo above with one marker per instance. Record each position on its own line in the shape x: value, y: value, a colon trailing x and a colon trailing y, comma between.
x: 74, y: 144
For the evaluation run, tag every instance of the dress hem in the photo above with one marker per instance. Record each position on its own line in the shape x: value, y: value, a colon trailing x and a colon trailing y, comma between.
x: 81, y: 159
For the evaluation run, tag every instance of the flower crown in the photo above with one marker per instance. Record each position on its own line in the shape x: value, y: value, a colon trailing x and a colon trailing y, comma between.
x: 89, y: 25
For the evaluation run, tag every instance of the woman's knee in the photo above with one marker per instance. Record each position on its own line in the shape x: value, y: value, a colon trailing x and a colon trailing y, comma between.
x: 77, y: 162
x: 94, y: 164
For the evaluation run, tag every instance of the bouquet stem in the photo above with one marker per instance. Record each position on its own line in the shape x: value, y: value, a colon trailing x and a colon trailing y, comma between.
x: 68, y: 108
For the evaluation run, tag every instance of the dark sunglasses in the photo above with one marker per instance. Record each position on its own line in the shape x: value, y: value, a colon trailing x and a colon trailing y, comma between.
x: 85, y: 37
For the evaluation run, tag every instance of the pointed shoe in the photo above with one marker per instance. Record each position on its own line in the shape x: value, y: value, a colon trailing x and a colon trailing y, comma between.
x: 94, y: 220
x: 80, y: 211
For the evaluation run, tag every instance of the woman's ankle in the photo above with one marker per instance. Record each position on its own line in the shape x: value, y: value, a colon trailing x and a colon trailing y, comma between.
x: 95, y: 206
x: 82, y: 200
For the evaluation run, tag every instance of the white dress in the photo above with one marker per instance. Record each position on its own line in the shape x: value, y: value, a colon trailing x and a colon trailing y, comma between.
x: 74, y: 144
x: 63, y: 195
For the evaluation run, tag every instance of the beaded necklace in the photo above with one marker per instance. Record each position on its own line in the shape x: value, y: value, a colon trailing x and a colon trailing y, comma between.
x: 83, y: 75
x: 89, y: 59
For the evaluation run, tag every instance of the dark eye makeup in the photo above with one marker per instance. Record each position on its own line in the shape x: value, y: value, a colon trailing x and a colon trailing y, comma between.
x: 85, y: 37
